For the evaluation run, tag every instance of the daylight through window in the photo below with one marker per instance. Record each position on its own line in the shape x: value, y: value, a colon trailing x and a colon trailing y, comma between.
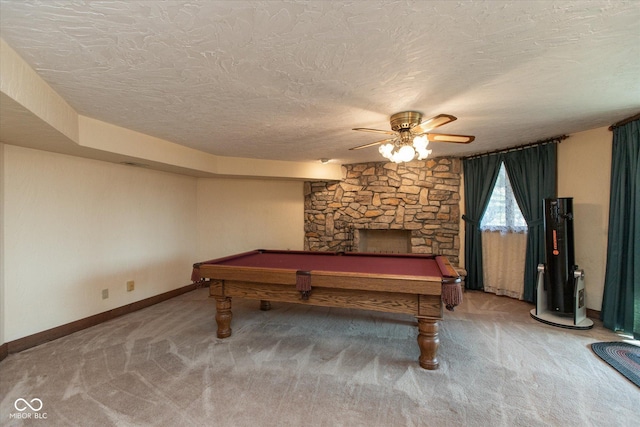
x: 503, y: 213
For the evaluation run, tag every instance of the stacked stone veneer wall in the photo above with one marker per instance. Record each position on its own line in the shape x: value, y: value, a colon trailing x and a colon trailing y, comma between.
x: 421, y: 196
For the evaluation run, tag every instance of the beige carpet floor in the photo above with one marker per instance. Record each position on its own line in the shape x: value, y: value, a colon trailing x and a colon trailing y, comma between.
x: 310, y: 366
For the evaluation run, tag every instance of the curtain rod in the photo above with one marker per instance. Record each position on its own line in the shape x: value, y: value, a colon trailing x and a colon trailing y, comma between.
x: 624, y: 122
x: 519, y: 147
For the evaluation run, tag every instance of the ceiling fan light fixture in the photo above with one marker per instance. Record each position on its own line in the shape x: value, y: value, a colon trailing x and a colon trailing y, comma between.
x: 412, y: 136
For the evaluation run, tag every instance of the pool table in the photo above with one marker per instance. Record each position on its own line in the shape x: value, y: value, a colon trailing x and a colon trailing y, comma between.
x: 399, y: 283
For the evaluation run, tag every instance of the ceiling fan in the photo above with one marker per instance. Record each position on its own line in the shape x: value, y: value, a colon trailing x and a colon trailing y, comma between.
x: 411, y: 136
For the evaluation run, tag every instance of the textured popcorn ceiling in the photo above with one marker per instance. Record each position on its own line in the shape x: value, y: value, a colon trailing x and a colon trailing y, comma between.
x: 288, y: 80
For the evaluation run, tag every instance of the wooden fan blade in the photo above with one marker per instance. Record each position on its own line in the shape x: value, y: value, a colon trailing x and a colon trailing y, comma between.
x: 387, y: 132
x: 458, y: 139
x: 371, y: 144
x: 432, y: 123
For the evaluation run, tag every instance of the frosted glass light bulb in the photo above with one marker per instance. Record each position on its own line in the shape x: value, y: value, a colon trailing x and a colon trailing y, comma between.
x: 420, y: 142
x: 406, y: 153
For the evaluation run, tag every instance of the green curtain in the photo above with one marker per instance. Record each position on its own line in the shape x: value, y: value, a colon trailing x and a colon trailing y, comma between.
x: 532, y: 173
x: 480, y: 174
x: 621, y: 299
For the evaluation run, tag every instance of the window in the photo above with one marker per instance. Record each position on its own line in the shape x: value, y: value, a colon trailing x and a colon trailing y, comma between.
x: 503, y: 213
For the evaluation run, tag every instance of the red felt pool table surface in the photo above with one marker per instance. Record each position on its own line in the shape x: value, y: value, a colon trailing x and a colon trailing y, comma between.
x: 375, y: 264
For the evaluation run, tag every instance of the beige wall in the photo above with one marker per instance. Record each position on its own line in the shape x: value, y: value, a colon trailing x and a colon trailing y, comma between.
x: 74, y: 227
x: 237, y: 215
x: 584, y: 170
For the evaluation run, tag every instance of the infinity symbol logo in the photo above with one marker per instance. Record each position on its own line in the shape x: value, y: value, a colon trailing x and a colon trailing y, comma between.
x: 24, y: 404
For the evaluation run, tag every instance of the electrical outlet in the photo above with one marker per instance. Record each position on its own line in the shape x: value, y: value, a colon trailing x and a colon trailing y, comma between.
x: 105, y: 293
x: 131, y: 285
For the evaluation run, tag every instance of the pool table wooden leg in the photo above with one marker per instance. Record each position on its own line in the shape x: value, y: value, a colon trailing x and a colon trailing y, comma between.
x: 223, y: 316
x: 428, y: 342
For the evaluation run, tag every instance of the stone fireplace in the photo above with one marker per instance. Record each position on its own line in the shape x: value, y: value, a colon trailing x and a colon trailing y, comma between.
x: 417, y: 202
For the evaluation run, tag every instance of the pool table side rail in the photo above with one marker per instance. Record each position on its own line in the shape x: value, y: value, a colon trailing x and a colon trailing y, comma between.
x: 428, y: 285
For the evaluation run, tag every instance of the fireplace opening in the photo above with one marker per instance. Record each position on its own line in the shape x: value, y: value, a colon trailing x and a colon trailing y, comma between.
x: 385, y: 241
